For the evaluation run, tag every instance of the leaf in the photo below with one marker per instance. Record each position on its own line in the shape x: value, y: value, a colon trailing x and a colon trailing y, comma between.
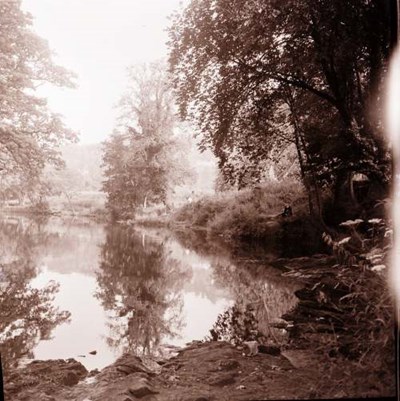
x: 378, y: 268
x: 344, y: 241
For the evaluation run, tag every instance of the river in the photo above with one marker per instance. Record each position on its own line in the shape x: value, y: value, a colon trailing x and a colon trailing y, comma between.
x: 77, y: 289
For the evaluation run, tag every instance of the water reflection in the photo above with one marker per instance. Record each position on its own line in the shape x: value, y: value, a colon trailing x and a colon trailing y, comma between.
x: 27, y: 314
x: 126, y: 289
x: 261, y: 295
x: 138, y: 280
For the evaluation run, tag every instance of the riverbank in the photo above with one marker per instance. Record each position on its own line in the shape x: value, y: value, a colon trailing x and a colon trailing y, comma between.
x: 89, y: 204
x: 199, y: 372
x: 274, y: 216
x: 321, y: 358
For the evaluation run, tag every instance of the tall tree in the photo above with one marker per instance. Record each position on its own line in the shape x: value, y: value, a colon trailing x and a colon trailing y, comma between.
x: 255, y: 75
x: 29, y: 133
x: 143, y: 158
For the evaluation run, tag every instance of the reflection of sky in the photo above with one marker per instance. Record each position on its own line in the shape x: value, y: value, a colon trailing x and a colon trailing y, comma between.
x: 88, y: 328
x: 200, y: 314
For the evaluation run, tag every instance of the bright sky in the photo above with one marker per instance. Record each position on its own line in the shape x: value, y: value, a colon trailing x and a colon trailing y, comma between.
x: 98, y: 40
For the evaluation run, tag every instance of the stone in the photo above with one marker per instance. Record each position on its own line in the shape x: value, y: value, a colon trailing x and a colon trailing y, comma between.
x: 93, y: 372
x: 124, y: 369
x: 70, y: 379
x: 252, y: 346
x: 130, y: 364
x: 141, y: 389
x: 93, y: 352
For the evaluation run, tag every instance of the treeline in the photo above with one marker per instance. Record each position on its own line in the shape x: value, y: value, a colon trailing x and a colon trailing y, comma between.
x: 258, y: 76
x: 297, y: 85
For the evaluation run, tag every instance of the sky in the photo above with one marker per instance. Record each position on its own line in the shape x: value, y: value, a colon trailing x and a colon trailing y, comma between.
x: 98, y: 40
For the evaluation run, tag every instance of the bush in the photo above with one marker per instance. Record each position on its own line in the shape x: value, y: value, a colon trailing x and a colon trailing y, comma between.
x: 249, y: 214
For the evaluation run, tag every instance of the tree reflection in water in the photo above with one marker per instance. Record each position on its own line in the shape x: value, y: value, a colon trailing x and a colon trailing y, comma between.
x: 141, y: 284
x: 27, y: 314
x: 261, y: 295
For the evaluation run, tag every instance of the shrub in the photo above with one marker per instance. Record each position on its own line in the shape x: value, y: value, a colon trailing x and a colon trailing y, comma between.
x: 252, y: 213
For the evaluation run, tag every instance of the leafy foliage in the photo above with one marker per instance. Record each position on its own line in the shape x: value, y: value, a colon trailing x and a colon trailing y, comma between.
x: 29, y: 133
x: 236, y: 71
x: 246, y: 214
x: 143, y: 160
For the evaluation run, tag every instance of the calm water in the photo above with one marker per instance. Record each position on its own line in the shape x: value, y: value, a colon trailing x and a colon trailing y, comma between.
x: 72, y: 287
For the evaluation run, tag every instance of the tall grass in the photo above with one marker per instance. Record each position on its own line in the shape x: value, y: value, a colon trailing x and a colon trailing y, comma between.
x: 249, y: 213
x: 254, y: 215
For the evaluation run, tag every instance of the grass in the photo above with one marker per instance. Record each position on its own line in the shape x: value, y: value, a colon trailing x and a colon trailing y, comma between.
x: 243, y: 212
x: 253, y: 215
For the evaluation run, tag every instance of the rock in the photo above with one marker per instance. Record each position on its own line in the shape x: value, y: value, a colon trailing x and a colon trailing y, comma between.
x: 67, y: 372
x: 140, y: 376
x: 70, y: 379
x: 173, y: 378
x: 93, y: 372
x: 128, y: 364
x: 124, y: 369
x: 93, y: 352
x: 141, y: 389
x: 252, y: 346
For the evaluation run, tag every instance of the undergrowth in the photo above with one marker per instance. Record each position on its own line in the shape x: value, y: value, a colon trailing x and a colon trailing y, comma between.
x: 355, y: 323
x: 249, y: 213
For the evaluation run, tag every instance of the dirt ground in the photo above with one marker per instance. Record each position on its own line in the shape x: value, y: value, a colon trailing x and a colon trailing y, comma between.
x: 210, y: 371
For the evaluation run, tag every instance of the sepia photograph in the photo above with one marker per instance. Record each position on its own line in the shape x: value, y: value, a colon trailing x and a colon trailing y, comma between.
x: 199, y: 200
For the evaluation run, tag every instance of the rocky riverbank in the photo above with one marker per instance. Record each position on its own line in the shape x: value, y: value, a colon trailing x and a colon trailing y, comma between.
x: 200, y: 372
x: 325, y: 356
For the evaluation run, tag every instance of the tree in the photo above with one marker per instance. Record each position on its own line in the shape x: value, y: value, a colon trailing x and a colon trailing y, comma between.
x: 258, y: 75
x: 143, y: 158
x: 29, y: 133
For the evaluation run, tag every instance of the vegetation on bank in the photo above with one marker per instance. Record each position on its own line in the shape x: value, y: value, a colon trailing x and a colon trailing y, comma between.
x: 348, y: 310
x: 249, y: 214
x: 78, y: 204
